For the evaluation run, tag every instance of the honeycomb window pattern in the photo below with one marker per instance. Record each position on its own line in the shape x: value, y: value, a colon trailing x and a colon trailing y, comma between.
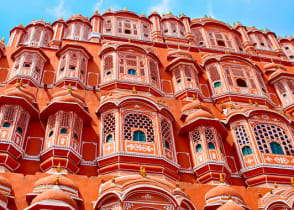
x: 209, y: 136
x: 109, y: 126
x: 139, y: 121
x: 241, y: 135
x: 165, y: 131
x: 196, y: 136
x: 266, y: 133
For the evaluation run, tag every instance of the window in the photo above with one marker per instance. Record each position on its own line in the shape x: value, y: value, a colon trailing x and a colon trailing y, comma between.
x: 109, y: 138
x: 220, y: 40
x: 276, y: 148
x: 19, y: 130
x: 241, y: 83
x: 127, y: 27
x: 139, y: 136
x: 108, y: 25
x: 166, y: 144
x: 138, y: 121
x: 269, y: 132
x: 211, y: 145
x: 72, y: 67
x: 63, y: 131
x: 108, y: 65
x: 246, y: 150
x: 221, y: 43
x: 76, y: 136
x: 50, y: 133
x: 108, y: 73
x: 108, y: 127
x: 217, y: 84
x: 132, y: 72
x: 199, y: 38
x: 6, y: 125
x: 198, y: 148
x: 27, y: 65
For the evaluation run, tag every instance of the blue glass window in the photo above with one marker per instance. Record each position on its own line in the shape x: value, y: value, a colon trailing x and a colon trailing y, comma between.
x: 63, y: 131
x: 139, y: 136
x: 211, y: 145
x: 132, y: 72
x: 166, y: 144
x: 19, y: 130
x: 276, y: 148
x: 6, y: 125
x: 109, y: 138
x: 198, y: 148
x: 246, y: 150
x: 217, y: 84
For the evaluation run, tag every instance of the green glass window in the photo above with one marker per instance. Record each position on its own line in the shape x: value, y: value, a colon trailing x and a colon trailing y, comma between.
x: 109, y: 138
x: 139, y: 136
x: 6, y: 125
x: 276, y: 148
x: 211, y: 145
x: 198, y: 148
x: 166, y: 144
x: 217, y: 84
x: 19, y: 130
x: 132, y: 72
x: 246, y: 150
x: 63, y: 131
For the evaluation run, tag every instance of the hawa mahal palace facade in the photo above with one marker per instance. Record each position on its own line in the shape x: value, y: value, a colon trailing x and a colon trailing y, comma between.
x: 124, y: 111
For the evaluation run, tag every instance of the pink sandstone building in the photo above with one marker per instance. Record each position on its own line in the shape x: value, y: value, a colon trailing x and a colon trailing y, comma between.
x: 124, y: 111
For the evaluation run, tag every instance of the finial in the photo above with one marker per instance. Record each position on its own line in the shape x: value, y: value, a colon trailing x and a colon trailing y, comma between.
x: 223, y: 105
x: 144, y: 172
x: 276, y: 185
x: 96, y: 11
x: 183, y: 189
x: 69, y: 88
x: 141, y: 170
x: 57, y: 180
x: 58, y: 169
x: 19, y: 84
x: 232, y: 106
x: 3, y: 40
x: 221, y: 178
x: 102, y: 180
x: 21, y: 24
x: 272, y: 60
x: 199, y: 105
x: 227, y: 52
x: 256, y: 103
x: 177, y: 184
x: 61, y: 18
x: 179, y: 47
x: 134, y: 90
x: 259, y: 194
x: 49, y: 22
x: 278, y: 65
x: 109, y: 9
x: 33, y: 19
x: 143, y: 14
x: 292, y: 182
x: 125, y: 9
x: 271, y: 191
x: 113, y: 179
x: 41, y: 19
x: 194, y: 97
x: 229, y: 197
x: 250, y: 102
x: 129, y: 40
x: 282, y: 112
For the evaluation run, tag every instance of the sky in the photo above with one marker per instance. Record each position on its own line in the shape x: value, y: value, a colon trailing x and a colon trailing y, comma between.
x: 276, y: 15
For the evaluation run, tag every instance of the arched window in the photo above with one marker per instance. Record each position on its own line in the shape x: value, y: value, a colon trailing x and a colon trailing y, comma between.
x: 269, y: 132
x: 241, y: 83
x: 166, y: 144
x: 132, y: 72
x: 108, y: 127
x: 246, y: 150
x: 63, y: 131
x: 138, y: 122
x: 198, y: 148
x: 109, y: 138
x: 166, y: 133
x: 217, y: 84
x: 139, y: 136
x: 211, y: 145
x: 276, y: 148
x: 19, y: 130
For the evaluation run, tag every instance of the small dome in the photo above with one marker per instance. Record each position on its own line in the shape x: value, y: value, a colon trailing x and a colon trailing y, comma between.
x: 55, y: 194
x: 21, y: 92
x: 270, y: 66
x: 64, y: 96
x: 230, y: 205
x: 5, y: 183
x: 51, y: 180
x: 200, y: 113
x: 222, y: 190
x: 81, y: 17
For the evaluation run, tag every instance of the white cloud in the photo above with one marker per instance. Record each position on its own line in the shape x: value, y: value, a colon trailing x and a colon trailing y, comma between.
x: 58, y: 11
x: 98, y: 5
x: 162, y: 7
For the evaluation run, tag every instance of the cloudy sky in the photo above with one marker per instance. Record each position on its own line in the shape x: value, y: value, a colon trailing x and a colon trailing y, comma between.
x: 277, y: 15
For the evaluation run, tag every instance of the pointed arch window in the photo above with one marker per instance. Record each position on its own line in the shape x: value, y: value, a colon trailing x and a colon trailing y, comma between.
x: 139, y: 136
x: 198, y: 148
x: 211, y: 145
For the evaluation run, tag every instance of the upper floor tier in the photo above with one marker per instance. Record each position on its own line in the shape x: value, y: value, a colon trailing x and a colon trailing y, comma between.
x: 126, y: 25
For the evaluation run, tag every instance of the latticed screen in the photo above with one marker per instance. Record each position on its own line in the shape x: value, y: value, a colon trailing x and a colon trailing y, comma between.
x: 138, y: 121
x: 132, y: 64
x: 241, y: 135
x: 9, y: 113
x: 165, y: 133
x: 209, y: 135
x: 196, y: 136
x: 109, y: 127
x: 267, y: 133
x: 199, y: 38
